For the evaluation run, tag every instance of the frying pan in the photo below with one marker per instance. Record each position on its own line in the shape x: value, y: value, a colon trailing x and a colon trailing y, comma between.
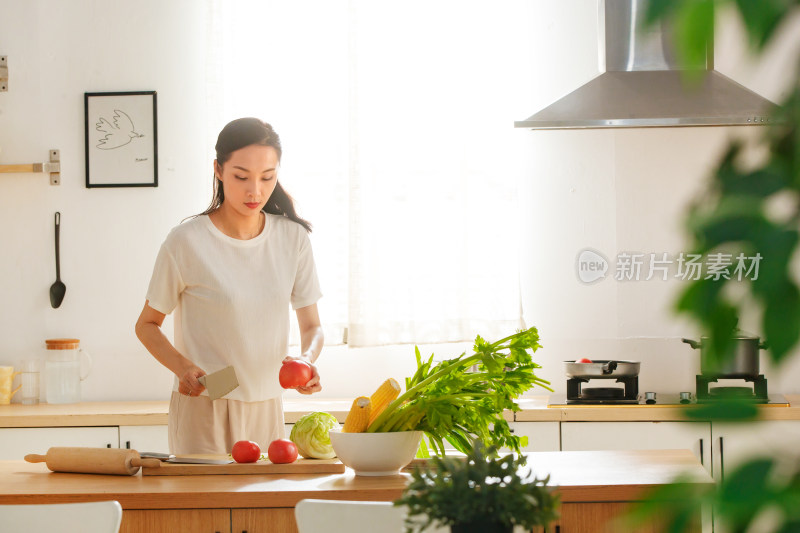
x: 602, y: 369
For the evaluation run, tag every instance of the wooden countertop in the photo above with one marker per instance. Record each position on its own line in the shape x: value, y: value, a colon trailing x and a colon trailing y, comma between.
x: 141, y: 413
x: 533, y: 409
x: 580, y: 476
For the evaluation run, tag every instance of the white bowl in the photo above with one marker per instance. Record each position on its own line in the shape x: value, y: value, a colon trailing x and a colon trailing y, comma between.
x: 376, y: 454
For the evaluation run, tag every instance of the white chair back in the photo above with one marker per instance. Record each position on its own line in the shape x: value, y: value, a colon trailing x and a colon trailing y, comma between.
x: 337, y: 516
x: 91, y: 517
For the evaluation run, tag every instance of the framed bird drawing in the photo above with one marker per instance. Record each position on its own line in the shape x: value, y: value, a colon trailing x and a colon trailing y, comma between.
x: 121, y: 139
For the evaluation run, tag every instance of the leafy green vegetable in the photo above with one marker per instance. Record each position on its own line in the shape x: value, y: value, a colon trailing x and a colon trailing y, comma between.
x: 310, y: 434
x: 449, y: 401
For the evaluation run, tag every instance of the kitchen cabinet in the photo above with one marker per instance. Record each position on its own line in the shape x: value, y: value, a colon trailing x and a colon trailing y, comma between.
x: 263, y: 520
x: 605, y: 517
x: 144, y: 438
x: 735, y: 443
x: 542, y: 436
x: 209, y: 520
x: 16, y: 443
x: 586, y: 436
x: 170, y: 520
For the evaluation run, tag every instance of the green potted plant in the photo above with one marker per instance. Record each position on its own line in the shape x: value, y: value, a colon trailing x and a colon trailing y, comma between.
x: 478, y: 493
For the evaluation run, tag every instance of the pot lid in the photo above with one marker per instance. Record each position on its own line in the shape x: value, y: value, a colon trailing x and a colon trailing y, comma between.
x: 62, y: 344
x: 738, y: 334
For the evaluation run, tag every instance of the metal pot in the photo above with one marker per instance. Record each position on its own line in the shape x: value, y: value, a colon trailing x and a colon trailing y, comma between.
x: 602, y: 369
x: 740, y: 361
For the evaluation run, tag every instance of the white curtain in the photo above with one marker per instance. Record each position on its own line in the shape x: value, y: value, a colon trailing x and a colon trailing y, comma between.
x: 397, y: 127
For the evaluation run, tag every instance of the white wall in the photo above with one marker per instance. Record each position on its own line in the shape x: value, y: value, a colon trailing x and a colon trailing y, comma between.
x: 56, y: 52
x: 610, y: 190
x: 625, y: 190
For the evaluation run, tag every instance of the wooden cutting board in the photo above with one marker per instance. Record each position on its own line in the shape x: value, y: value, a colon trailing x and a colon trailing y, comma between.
x: 301, y: 466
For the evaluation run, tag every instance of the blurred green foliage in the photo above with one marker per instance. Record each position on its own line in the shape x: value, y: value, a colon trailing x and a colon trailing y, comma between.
x: 738, y: 213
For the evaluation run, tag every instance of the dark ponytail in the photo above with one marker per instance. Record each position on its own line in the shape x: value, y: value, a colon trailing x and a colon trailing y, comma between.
x: 246, y: 132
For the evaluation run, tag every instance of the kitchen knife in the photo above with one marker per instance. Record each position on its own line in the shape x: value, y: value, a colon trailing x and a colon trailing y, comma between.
x: 219, y: 383
x: 169, y: 458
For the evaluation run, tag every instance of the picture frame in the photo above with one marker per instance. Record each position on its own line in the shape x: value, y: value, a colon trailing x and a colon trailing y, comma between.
x: 121, y: 139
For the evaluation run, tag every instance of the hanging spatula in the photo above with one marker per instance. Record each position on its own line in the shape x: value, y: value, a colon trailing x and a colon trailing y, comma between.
x: 58, y: 288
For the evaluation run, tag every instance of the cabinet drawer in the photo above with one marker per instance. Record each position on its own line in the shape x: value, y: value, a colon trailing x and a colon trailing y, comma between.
x: 542, y: 436
x: 276, y: 520
x: 738, y: 443
x: 588, y: 436
x: 171, y: 520
x: 144, y: 438
x: 15, y: 443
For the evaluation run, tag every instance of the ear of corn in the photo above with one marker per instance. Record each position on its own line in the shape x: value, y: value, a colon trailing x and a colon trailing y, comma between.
x: 358, y: 418
x: 386, y: 394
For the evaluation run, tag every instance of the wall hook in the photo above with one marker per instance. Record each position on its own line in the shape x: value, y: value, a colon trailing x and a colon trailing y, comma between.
x: 53, y: 167
x: 3, y: 74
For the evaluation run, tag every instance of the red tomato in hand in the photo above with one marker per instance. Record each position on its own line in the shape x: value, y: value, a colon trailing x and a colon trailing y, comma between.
x: 246, y: 451
x: 294, y: 374
x: 282, y: 451
x: 583, y: 360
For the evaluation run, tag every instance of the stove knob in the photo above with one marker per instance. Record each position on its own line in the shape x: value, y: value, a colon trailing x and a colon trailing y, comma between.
x: 686, y: 397
x: 650, y: 397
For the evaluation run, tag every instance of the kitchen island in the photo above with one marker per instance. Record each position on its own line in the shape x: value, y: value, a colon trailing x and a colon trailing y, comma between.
x: 595, y: 489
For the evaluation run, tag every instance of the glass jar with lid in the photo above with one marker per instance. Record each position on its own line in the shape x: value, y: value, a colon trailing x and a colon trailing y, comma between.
x: 66, y: 365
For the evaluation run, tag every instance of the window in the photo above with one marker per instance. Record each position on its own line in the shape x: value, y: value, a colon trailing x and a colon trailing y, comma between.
x: 398, y: 145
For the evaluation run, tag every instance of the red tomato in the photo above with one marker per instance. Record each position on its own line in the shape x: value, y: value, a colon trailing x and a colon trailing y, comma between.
x: 583, y: 360
x: 246, y: 451
x: 282, y: 451
x: 294, y: 374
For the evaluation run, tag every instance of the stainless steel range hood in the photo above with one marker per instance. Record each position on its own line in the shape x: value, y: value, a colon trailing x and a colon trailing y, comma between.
x: 643, y: 84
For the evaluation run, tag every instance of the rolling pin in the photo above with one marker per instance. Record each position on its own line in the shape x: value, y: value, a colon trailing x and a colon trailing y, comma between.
x: 93, y: 460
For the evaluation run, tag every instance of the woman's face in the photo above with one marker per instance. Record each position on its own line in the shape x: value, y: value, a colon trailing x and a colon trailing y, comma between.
x: 248, y: 178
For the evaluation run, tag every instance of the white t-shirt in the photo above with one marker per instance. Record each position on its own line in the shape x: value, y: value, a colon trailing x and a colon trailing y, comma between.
x: 232, y: 297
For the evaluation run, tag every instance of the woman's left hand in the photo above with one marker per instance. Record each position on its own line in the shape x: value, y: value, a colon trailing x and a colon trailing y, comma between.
x: 313, y: 384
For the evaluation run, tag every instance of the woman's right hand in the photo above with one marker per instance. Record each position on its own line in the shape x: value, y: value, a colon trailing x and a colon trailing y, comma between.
x: 188, y: 385
x: 148, y: 329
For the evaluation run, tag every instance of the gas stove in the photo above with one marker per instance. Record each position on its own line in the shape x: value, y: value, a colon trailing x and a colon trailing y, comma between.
x: 707, y: 393
x: 652, y: 399
x: 580, y: 393
x: 589, y: 397
x: 628, y: 393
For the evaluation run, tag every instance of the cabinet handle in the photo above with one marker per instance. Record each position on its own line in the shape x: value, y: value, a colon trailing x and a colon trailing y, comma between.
x: 721, y: 461
x: 108, y: 445
x: 558, y: 529
x: 702, y: 462
x: 128, y: 444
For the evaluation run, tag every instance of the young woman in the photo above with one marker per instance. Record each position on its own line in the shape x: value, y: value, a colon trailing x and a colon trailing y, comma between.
x: 231, y: 275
